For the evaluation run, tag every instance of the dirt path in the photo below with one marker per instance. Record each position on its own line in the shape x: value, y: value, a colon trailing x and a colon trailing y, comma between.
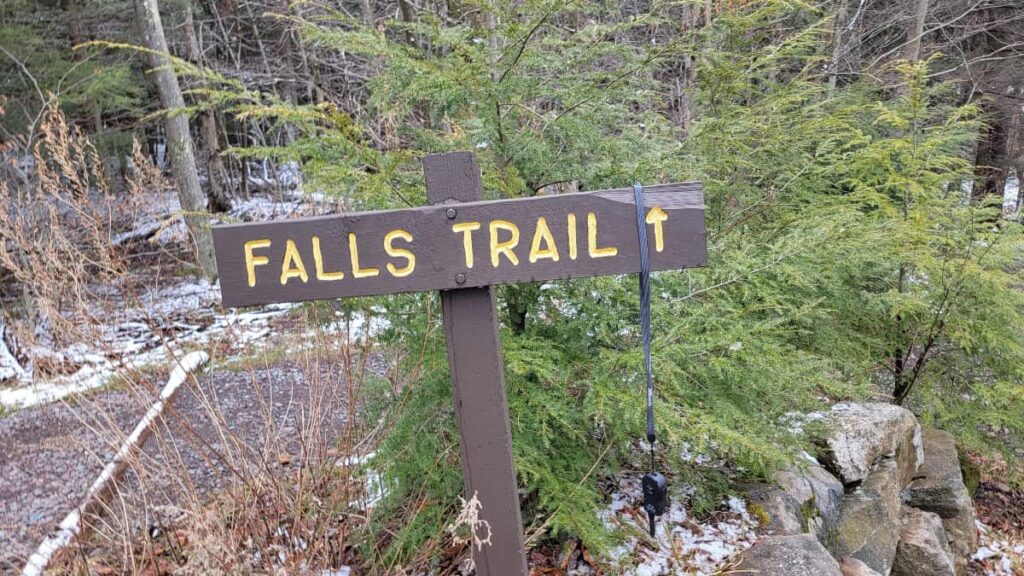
x: 52, y: 453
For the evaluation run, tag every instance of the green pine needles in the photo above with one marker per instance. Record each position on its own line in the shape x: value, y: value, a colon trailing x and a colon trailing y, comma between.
x: 846, y: 262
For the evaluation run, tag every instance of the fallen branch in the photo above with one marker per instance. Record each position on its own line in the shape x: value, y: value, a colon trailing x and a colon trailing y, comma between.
x: 71, y: 526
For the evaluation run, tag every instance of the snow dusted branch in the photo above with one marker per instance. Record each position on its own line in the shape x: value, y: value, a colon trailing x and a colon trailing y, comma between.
x: 71, y: 526
x: 9, y: 365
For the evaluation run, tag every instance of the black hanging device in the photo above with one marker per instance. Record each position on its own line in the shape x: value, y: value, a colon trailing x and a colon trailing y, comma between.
x: 654, y: 485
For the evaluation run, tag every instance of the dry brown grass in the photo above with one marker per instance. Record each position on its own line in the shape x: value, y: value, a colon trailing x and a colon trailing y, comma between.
x: 283, y: 504
x: 58, y: 231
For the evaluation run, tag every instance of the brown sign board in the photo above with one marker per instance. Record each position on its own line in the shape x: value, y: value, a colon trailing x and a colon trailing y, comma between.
x: 461, y: 245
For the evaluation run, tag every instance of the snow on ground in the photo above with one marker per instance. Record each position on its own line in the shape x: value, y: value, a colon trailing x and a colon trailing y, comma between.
x: 165, y: 322
x: 1011, y: 192
x: 999, y: 555
x: 682, y: 545
x: 162, y: 321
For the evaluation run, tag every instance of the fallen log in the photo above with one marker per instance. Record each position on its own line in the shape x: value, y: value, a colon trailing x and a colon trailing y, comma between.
x: 71, y: 526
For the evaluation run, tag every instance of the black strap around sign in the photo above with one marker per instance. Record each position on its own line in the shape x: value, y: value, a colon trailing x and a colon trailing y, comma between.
x: 645, y: 310
x: 654, y: 484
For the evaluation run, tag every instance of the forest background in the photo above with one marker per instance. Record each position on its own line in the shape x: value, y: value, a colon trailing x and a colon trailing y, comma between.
x: 861, y: 162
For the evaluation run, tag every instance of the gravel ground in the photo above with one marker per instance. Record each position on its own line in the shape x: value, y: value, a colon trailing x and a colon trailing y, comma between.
x: 52, y: 453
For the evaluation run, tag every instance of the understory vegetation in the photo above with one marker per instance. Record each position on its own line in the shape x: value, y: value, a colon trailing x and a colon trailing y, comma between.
x: 849, y: 258
x: 845, y: 260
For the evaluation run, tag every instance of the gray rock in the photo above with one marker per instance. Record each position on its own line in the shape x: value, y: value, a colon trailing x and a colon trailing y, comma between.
x: 939, y: 485
x: 922, y: 550
x: 962, y: 536
x: 857, y: 436
x: 869, y: 519
x: 940, y: 488
x: 778, y: 512
x: 854, y: 567
x: 818, y: 495
x: 799, y: 555
x: 803, y: 501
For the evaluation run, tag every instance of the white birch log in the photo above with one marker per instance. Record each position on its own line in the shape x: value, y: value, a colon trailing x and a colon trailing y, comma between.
x: 71, y: 526
x: 9, y: 365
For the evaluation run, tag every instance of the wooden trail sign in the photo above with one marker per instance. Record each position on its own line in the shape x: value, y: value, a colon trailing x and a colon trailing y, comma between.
x: 462, y: 246
x: 446, y: 246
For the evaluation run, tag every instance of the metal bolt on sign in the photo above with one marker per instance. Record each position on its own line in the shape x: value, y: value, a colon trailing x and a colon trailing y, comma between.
x: 463, y: 252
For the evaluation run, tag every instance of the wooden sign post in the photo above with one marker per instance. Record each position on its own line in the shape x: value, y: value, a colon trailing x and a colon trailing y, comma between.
x: 462, y: 246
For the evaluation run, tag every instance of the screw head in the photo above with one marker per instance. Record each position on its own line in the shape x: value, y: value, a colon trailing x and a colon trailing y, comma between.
x: 450, y: 213
x: 460, y: 278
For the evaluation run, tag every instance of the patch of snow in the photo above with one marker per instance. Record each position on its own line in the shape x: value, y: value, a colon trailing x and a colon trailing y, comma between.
x: 289, y: 174
x: 796, y: 421
x: 10, y: 368
x: 682, y: 545
x: 686, y: 455
x: 353, y: 461
x: 998, y: 555
x: 966, y: 190
x: 374, y: 488
x: 154, y: 332
x: 1011, y: 192
x: 160, y: 321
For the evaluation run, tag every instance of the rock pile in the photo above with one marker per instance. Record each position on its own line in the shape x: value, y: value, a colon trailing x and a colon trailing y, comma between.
x: 886, y: 498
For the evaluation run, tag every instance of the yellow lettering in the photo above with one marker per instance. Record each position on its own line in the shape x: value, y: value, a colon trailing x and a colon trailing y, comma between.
x: 592, y: 248
x: 467, y: 229
x: 656, y: 216
x: 353, y: 252
x: 292, y: 266
x: 543, y: 233
x: 389, y: 238
x: 572, y: 236
x: 504, y: 247
x: 251, y: 261
x: 318, y: 261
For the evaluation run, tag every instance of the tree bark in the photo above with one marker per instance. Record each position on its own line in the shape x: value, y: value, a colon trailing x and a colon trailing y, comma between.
x: 990, y: 164
x: 686, y: 80
x: 179, y: 140
x: 837, y: 47
x: 219, y: 192
x: 915, y: 30
x: 408, y: 16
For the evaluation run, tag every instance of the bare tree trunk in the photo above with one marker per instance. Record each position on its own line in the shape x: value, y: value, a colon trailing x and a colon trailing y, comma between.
x: 990, y: 165
x: 219, y: 191
x: 366, y: 12
x: 915, y: 30
x: 837, y: 47
x: 687, y: 80
x: 408, y: 16
x: 179, y: 140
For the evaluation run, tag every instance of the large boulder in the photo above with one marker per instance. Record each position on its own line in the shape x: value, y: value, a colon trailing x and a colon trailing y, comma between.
x: 922, y: 550
x: 854, y: 567
x: 797, y: 555
x: 778, y: 512
x: 869, y: 519
x: 855, y: 437
x: 962, y: 536
x: 818, y: 495
x: 940, y: 488
x: 802, y: 501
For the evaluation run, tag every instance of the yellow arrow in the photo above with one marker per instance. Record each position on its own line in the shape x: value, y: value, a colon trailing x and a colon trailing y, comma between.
x: 656, y: 216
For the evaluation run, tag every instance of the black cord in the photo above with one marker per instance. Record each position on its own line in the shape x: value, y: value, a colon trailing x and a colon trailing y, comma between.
x: 645, y: 310
x: 655, y: 487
